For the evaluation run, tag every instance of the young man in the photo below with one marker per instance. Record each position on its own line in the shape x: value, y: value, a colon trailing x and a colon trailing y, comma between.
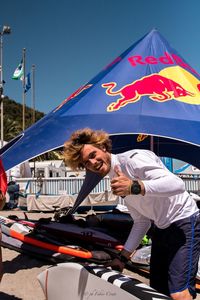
x: 152, y: 194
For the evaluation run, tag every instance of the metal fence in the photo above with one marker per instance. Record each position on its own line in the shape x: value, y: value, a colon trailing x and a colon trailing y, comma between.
x: 59, y: 185
x: 192, y: 183
x: 72, y: 185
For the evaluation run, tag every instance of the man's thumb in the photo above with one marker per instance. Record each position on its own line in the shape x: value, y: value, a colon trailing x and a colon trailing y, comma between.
x: 117, y: 170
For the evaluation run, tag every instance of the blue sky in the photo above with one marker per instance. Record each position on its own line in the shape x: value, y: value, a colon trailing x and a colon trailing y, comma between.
x: 70, y: 41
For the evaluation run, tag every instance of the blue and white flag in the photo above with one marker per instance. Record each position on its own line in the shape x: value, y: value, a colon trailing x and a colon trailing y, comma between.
x: 27, y: 82
x: 19, y: 71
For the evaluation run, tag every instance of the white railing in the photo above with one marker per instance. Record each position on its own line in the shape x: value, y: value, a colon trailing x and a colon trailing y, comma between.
x: 72, y: 185
x: 58, y: 185
x: 192, y: 184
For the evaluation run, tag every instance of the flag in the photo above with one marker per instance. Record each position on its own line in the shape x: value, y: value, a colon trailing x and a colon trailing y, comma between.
x: 19, y: 71
x: 27, y: 82
x: 168, y: 162
x: 3, y: 179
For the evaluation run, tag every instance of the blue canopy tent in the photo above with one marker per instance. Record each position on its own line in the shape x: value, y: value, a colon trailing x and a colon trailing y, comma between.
x: 147, y: 91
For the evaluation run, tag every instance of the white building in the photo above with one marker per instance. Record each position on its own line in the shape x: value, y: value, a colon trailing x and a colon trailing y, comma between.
x: 52, y: 168
x: 20, y: 171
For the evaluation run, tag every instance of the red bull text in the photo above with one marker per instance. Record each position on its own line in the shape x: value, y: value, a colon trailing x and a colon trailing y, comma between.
x: 166, y: 59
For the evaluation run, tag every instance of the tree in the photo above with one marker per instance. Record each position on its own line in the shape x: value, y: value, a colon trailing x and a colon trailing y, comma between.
x: 13, y: 125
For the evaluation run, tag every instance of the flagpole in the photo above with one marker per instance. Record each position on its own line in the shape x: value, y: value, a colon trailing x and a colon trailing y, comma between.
x: 33, y: 93
x: 23, y: 94
x: 5, y: 30
x: 33, y: 105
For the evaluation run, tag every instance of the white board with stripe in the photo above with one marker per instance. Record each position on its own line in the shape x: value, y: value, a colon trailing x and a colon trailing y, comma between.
x: 73, y: 281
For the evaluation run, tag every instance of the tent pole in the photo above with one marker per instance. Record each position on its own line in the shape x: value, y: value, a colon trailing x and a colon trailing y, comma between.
x: 151, y: 143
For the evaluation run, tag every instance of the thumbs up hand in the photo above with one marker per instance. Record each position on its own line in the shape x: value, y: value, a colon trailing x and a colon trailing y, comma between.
x: 120, y: 184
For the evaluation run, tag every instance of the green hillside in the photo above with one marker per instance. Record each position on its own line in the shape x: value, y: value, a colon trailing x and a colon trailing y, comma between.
x: 12, y: 114
x: 13, y: 118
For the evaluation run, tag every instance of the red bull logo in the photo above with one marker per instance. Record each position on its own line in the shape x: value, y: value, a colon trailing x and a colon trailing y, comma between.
x: 141, y: 137
x: 159, y: 87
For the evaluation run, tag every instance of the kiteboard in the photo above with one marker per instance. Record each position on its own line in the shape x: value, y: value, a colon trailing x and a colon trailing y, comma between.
x: 28, y: 249
x: 24, y: 233
x: 91, y: 282
x: 75, y: 232
x: 110, y: 223
x: 98, y: 256
x: 87, y: 232
x: 54, y: 236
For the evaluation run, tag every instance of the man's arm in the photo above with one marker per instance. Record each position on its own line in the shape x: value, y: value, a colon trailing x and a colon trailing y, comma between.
x: 122, y: 186
x: 157, y: 182
x: 138, y: 231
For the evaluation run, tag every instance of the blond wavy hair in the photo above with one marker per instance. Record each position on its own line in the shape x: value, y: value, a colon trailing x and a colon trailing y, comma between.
x: 73, y: 147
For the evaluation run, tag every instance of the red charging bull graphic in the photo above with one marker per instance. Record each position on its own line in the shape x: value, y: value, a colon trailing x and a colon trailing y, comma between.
x: 157, y: 87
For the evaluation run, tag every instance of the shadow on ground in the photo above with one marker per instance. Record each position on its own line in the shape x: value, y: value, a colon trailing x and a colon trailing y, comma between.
x: 21, y: 261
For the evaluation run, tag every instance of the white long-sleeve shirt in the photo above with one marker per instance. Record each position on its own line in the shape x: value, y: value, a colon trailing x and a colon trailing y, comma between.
x: 165, y: 200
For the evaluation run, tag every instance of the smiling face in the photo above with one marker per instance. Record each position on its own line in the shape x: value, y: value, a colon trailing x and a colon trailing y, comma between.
x: 95, y: 159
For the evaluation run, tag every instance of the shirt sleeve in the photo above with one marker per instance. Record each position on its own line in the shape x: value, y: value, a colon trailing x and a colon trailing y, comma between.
x: 140, y: 227
x: 157, y: 179
x: 138, y: 231
x: 165, y: 186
